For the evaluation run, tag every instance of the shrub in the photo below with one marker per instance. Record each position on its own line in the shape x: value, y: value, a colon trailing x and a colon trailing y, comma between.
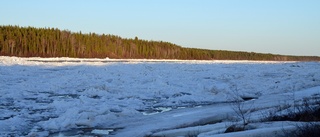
x: 310, y: 129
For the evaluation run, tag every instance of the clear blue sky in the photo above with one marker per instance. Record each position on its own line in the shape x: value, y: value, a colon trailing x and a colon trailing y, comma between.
x: 289, y: 27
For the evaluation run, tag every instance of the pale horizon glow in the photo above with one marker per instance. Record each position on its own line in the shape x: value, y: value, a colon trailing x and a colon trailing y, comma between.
x: 288, y: 27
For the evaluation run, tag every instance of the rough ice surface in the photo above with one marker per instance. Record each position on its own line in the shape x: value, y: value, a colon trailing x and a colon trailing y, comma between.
x: 106, y: 97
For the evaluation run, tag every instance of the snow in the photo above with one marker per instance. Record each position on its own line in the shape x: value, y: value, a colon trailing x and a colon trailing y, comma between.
x: 115, y: 97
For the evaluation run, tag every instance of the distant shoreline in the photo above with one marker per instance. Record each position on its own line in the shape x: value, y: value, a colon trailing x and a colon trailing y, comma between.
x: 50, y: 42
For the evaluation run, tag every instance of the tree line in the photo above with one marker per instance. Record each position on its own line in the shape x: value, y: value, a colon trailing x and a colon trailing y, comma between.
x: 52, y: 42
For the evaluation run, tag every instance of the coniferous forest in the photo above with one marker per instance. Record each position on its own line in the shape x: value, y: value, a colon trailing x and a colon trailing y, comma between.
x: 52, y: 42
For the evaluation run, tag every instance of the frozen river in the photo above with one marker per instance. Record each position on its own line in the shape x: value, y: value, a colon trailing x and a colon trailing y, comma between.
x: 88, y: 97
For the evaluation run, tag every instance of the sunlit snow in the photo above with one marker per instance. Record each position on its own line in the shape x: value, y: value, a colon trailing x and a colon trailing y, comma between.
x: 106, y: 97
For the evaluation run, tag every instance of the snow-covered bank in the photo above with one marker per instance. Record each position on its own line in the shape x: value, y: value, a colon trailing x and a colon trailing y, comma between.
x: 96, y: 61
x: 45, y: 96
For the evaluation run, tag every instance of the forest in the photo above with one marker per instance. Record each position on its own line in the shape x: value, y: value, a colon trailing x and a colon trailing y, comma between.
x: 52, y: 42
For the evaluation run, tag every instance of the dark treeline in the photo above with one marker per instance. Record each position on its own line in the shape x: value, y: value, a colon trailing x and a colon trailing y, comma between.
x: 50, y: 42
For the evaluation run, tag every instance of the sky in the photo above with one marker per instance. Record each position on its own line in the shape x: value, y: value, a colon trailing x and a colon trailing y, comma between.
x: 289, y: 27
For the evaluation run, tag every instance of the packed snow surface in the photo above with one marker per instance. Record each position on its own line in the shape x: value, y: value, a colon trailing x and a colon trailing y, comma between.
x: 106, y: 97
